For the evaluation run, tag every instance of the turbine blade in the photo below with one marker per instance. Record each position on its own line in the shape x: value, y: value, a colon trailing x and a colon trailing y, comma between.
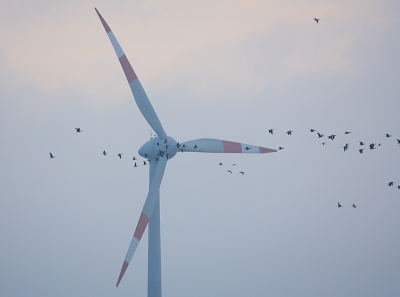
x: 151, y: 200
x: 138, y: 92
x: 208, y: 145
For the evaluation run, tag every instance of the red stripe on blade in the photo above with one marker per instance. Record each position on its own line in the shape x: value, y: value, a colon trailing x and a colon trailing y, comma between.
x: 123, y: 269
x: 106, y: 27
x: 231, y: 147
x: 266, y: 150
x: 141, y: 226
x: 128, y: 70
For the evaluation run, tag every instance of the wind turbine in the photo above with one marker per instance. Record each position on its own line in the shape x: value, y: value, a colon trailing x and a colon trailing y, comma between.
x: 158, y: 151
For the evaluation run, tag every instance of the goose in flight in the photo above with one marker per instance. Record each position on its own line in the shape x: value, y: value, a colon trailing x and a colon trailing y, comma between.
x: 241, y: 172
x: 312, y: 130
x: 347, y: 132
x: 332, y: 137
x: 51, y: 156
x: 390, y: 184
x: 361, y: 143
x: 339, y: 205
x: 388, y: 135
x: 120, y: 155
x: 271, y: 131
x: 320, y: 135
x: 135, y: 165
x: 372, y: 146
x: 361, y: 151
x: 104, y: 153
x: 78, y: 129
x: 316, y: 20
x: 289, y: 132
x: 280, y: 148
x: 355, y: 206
x: 229, y: 171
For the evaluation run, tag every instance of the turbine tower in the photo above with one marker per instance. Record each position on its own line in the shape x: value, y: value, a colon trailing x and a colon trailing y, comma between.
x: 158, y: 151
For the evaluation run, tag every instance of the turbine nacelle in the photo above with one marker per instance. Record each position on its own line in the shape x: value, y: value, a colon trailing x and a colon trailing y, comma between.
x: 159, y: 147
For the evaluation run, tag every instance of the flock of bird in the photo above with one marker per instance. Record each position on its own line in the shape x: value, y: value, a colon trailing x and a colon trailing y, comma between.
x: 361, y: 144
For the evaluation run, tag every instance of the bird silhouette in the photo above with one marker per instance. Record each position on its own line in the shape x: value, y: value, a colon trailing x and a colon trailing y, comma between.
x: 339, y: 205
x: 229, y: 171
x: 312, y: 130
x: 355, y: 206
x: 346, y: 147
x: 220, y: 164
x: 332, y: 137
x: 78, y: 129
x: 120, y: 155
x: 271, y: 131
x: 398, y: 141
x: 361, y: 143
x: 316, y: 20
x: 195, y: 146
x: 361, y: 151
x: 398, y: 187
x: 390, y: 184
x: 104, y: 153
x: 280, y: 148
x: 388, y: 135
x: 241, y: 172
x: 52, y: 156
x: 234, y: 164
x: 320, y: 135
x: 372, y: 146
x: 144, y: 163
x: 247, y: 148
x: 347, y: 132
x: 135, y: 165
x: 134, y: 158
x: 323, y: 143
x: 289, y: 132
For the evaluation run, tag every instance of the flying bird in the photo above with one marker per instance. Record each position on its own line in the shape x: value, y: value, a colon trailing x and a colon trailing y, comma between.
x: 104, y: 153
x: 220, y: 164
x: 229, y: 171
x: 234, y: 164
x: 332, y: 137
x: 398, y: 141
x: 323, y: 143
x: 144, y: 163
x: 398, y: 187
x: 361, y: 143
x: 51, y: 156
x: 280, y: 148
x: 390, y: 184
x: 372, y: 146
x: 134, y: 158
x: 241, y: 172
x: 247, y: 148
x: 339, y: 205
x: 361, y: 151
x: 347, y: 132
x: 312, y: 130
x: 78, y: 129
x: 320, y: 135
x: 388, y: 135
x: 289, y: 132
x: 135, y: 165
x: 120, y: 155
x: 195, y: 146
x: 355, y: 206
x: 316, y: 20
x: 271, y: 131
x: 346, y: 147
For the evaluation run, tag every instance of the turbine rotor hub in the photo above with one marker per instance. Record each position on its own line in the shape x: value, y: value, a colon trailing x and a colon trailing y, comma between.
x: 158, y: 148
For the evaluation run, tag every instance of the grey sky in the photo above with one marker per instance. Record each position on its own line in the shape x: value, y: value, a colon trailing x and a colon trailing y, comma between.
x: 219, y: 69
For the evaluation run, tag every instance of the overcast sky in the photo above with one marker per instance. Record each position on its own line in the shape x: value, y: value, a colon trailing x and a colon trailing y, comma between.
x: 230, y: 70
